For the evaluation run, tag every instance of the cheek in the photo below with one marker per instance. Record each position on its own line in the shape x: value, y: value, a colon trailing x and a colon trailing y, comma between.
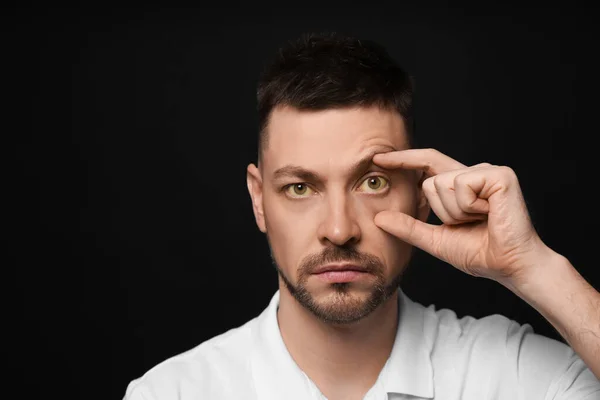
x: 395, y: 252
x: 290, y: 230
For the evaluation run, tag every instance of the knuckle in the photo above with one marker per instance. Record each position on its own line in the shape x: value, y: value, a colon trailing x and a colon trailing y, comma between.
x: 438, y: 182
x: 432, y: 154
x: 507, y: 172
x: 459, y: 180
x: 428, y: 185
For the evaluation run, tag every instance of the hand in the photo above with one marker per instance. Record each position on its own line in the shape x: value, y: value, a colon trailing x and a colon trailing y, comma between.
x: 486, y: 230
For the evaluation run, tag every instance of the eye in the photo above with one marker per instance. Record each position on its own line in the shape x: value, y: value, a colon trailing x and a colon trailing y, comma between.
x: 374, y: 184
x: 298, y: 190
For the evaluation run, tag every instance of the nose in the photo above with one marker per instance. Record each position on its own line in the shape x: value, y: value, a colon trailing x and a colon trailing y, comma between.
x: 339, y: 225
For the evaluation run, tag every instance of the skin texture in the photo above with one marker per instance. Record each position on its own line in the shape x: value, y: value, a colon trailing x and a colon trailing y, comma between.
x: 311, y: 220
x: 330, y: 219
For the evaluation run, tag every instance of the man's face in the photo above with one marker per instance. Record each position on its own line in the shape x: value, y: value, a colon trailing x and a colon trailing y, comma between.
x: 315, y: 197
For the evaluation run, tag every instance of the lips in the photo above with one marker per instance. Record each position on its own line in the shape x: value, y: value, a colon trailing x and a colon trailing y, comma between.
x: 339, y: 268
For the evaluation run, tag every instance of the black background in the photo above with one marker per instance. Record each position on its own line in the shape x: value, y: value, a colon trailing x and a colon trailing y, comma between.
x: 129, y: 228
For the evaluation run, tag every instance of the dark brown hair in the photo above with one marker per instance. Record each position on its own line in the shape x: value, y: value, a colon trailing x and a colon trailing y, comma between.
x: 332, y: 70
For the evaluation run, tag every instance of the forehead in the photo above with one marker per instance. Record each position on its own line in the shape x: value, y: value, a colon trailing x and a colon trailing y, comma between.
x: 334, y: 136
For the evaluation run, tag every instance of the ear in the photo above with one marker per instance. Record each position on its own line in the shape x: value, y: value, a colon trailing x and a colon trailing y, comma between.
x: 423, y: 207
x: 255, y: 188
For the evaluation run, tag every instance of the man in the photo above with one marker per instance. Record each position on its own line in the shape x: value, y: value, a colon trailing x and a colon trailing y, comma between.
x: 342, y: 197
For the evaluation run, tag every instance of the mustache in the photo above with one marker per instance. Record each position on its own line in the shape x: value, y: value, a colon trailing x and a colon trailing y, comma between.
x: 339, y: 254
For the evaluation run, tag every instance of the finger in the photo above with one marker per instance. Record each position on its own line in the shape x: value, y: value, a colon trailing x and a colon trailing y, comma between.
x: 431, y: 161
x: 409, y: 229
x: 435, y: 202
x: 445, y: 187
x: 482, y: 165
x: 468, y: 188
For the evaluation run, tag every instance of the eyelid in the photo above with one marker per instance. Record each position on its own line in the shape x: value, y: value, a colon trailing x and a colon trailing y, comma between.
x: 374, y: 174
x: 370, y: 174
x: 286, y: 187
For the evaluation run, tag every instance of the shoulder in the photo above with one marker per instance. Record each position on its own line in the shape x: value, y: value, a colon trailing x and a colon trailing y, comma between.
x: 495, y: 336
x: 443, y: 329
x: 494, y: 330
x: 505, y: 354
x: 213, y: 369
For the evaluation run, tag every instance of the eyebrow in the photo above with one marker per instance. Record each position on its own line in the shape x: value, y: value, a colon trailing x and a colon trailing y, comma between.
x: 307, y: 175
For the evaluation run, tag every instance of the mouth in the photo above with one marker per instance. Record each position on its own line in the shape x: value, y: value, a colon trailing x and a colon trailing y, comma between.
x: 338, y: 273
x: 339, y: 268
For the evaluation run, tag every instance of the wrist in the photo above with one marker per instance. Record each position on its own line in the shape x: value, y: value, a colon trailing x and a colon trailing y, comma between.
x: 544, y: 269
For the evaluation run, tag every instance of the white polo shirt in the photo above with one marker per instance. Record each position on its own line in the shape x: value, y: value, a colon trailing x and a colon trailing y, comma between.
x: 435, y: 356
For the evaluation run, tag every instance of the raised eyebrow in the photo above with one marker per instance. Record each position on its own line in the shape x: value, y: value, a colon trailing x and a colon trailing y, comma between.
x: 364, y: 163
x: 295, y: 171
x: 304, y: 174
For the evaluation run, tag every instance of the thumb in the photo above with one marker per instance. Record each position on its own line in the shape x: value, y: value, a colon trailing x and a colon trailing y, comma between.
x: 408, y: 229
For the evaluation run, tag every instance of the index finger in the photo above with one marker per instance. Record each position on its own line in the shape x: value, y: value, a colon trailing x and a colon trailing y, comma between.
x: 431, y: 161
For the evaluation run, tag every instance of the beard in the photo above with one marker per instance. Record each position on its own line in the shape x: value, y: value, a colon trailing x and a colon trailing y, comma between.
x: 344, y: 308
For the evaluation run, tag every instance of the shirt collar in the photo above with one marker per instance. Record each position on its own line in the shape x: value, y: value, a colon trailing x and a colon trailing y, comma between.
x: 407, y: 371
x: 275, y: 373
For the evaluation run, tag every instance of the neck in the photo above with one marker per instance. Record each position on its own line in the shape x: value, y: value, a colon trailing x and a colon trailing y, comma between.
x: 335, y: 356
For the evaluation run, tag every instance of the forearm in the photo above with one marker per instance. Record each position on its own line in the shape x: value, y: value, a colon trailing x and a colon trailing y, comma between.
x: 560, y: 294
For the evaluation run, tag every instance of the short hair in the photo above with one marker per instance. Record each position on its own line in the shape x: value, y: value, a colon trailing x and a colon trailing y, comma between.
x: 332, y: 70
